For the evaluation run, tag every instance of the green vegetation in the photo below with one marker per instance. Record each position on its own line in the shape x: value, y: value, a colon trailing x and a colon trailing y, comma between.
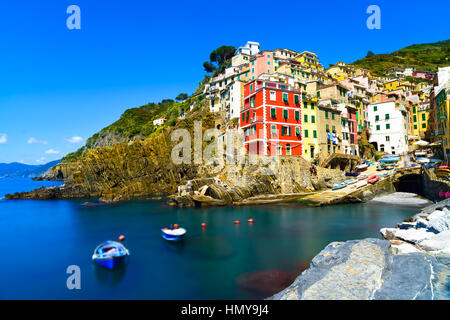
x: 219, y: 60
x: 428, y: 56
x: 139, y: 122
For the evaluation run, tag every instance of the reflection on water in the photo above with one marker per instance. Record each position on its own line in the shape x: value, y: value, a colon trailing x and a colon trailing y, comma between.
x: 221, y: 261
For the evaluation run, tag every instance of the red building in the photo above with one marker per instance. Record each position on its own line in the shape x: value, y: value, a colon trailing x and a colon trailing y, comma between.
x: 353, y: 125
x: 272, y: 118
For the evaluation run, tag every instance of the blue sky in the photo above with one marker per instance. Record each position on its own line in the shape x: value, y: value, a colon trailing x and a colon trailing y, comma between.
x: 57, y: 84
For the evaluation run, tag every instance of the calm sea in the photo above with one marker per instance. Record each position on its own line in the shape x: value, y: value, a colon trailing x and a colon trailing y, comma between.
x: 40, y: 239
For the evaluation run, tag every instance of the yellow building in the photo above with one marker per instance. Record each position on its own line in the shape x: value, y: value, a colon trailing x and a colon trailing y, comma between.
x: 309, y: 61
x: 443, y: 112
x: 311, y: 143
x: 396, y: 84
x: 419, y: 118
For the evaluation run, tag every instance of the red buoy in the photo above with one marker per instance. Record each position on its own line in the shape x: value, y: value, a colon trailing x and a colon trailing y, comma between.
x: 175, y: 226
x: 236, y: 222
x: 250, y: 220
x: 203, y: 225
x: 121, y: 237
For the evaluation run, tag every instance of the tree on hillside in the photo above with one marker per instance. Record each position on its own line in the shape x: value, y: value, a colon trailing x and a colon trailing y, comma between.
x: 219, y: 59
x: 182, y: 96
x: 370, y: 54
x: 208, y: 67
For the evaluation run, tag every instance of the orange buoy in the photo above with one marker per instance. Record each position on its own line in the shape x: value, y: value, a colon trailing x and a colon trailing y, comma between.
x: 203, y: 225
x: 121, y: 237
x: 175, y: 226
x: 166, y: 228
x: 250, y: 220
x: 236, y: 222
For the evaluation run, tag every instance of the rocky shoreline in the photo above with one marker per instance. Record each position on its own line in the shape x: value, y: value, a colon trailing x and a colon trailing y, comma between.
x: 412, y: 262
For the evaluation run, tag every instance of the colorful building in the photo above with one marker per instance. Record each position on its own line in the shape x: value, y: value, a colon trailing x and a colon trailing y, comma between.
x: 311, y: 143
x: 271, y: 118
x: 329, y: 128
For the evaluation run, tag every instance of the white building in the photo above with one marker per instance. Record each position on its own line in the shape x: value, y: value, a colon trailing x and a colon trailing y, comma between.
x: 159, y: 122
x: 251, y: 48
x: 388, y: 127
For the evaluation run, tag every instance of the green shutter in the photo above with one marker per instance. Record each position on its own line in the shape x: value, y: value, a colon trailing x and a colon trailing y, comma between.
x: 313, y: 119
x: 305, y: 118
x: 315, y: 134
x: 306, y: 133
x: 286, y: 114
x: 297, y: 115
x: 273, y: 113
x: 387, y: 116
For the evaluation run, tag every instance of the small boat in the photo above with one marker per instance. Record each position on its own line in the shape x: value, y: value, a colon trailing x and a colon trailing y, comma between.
x: 352, y: 174
x: 339, y: 186
x: 350, y: 181
x: 110, y: 254
x: 383, y: 174
x: 359, y: 184
x: 363, y: 176
x: 373, y: 179
x: 362, y: 167
x: 173, y: 233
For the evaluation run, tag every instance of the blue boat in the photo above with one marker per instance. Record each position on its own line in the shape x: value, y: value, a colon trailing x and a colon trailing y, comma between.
x: 173, y: 234
x: 339, y: 186
x: 350, y: 181
x: 352, y: 174
x: 110, y: 254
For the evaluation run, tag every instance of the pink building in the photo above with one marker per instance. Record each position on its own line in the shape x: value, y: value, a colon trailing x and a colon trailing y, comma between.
x: 262, y: 63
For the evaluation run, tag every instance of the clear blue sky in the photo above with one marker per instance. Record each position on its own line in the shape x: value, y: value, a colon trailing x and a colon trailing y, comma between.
x: 56, y: 84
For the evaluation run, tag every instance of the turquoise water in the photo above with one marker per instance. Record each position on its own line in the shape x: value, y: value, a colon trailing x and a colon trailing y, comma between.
x: 40, y: 239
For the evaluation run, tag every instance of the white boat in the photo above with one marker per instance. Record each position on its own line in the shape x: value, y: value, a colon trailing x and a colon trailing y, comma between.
x: 362, y: 176
x: 359, y: 184
x: 173, y: 234
x: 362, y: 167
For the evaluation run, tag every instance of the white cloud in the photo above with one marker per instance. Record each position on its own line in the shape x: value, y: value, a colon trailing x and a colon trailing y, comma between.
x: 34, y: 140
x: 75, y: 139
x: 51, y: 151
x: 3, y: 138
x: 41, y: 160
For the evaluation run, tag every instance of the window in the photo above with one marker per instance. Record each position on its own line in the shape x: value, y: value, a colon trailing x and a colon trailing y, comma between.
x: 312, y: 106
x: 334, y: 129
x: 306, y: 133
x: 415, y: 118
x: 332, y: 116
x: 252, y: 102
x: 305, y: 105
x: 313, y: 119
x: 315, y: 134
x: 273, y: 113
x: 388, y: 126
x: 387, y: 116
x: 318, y: 94
x: 377, y: 118
x: 424, y: 125
x: 378, y: 127
x: 285, y: 114
x: 305, y: 117
x: 279, y: 149
x: 423, y: 117
x: 326, y: 114
x: 388, y: 139
x: 273, y: 130
x: 285, y: 97
x: 297, y: 115
x: 375, y: 108
x: 297, y: 131
x: 415, y: 126
x: 273, y: 95
x: 243, y: 116
x: 288, y: 149
x: 327, y: 128
x: 296, y: 99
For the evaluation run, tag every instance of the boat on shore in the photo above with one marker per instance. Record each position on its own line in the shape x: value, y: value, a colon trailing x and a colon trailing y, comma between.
x: 373, y: 179
x: 363, y: 176
x: 174, y: 233
x: 339, y: 186
x: 110, y: 254
x: 362, y: 167
x: 350, y: 181
x: 352, y: 174
x: 359, y: 184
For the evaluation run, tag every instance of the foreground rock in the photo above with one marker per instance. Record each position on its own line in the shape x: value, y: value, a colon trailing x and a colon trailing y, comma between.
x: 413, y: 263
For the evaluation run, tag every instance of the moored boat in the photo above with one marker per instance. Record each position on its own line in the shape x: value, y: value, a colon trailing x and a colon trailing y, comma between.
x: 173, y: 233
x: 352, y: 174
x: 339, y: 186
x: 363, y: 176
x: 373, y: 179
x: 362, y: 167
x: 350, y: 181
x: 110, y: 254
x: 360, y: 184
